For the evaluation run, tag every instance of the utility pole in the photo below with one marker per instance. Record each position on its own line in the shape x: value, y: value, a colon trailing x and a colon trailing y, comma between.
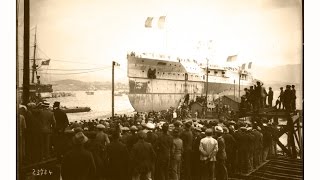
x: 26, y: 68
x: 239, y: 81
x: 113, y: 63
x: 234, y: 90
x: 207, y: 83
x: 34, y: 66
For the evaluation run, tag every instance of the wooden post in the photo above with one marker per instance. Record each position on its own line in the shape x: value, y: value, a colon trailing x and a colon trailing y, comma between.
x: 291, y: 143
x: 26, y: 68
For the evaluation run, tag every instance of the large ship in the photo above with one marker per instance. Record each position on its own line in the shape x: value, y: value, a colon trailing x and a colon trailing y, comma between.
x: 158, y: 82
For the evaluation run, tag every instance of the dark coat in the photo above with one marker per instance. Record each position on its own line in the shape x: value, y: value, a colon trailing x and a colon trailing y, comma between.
x: 61, y: 119
x: 143, y: 157
x: 187, y: 138
x: 117, y: 160
x: 164, y: 146
x: 230, y: 143
x: 78, y: 164
x: 221, y: 154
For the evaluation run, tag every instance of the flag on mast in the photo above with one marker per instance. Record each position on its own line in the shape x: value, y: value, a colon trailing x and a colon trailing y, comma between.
x: 45, y: 63
x: 232, y: 58
x: 250, y: 65
x: 161, y: 22
x: 148, y: 23
x: 243, y: 66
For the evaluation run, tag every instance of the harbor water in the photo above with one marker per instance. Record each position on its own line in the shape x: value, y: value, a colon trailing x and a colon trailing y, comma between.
x: 100, y: 104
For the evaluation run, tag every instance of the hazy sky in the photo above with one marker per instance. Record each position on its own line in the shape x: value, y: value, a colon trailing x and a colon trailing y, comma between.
x: 95, y: 32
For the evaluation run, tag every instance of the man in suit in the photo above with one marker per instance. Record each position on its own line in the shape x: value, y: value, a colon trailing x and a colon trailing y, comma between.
x: 208, y: 149
x: 221, y: 169
x: 143, y: 156
x: 270, y: 97
x: 78, y: 163
x: 187, y: 138
x: 48, y: 123
x: 117, y: 159
x: 163, y: 148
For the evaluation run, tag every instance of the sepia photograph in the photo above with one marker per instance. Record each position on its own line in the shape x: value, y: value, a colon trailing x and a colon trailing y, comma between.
x: 159, y: 89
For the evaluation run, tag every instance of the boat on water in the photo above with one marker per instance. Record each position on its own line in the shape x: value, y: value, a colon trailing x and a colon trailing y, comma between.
x: 75, y: 109
x: 159, y: 82
x: 90, y: 92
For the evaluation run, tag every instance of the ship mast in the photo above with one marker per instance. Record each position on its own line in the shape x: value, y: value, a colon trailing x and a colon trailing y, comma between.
x: 34, y: 66
x: 207, y: 72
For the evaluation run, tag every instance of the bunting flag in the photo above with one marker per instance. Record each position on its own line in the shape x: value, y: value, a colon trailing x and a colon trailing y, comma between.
x: 45, y: 63
x: 250, y: 65
x: 115, y: 63
x: 148, y: 23
x: 232, y: 58
x: 161, y: 22
x: 243, y: 66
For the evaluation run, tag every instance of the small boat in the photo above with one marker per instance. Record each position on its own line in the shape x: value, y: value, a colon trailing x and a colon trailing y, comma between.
x: 75, y: 109
x: 90, y: 92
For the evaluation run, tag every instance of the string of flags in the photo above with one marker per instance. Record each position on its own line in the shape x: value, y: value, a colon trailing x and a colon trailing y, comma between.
x: 161, y: 22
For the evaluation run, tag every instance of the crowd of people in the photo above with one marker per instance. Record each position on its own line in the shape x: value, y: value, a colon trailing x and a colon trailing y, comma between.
x: 155, y: 145
x: 257, y: 98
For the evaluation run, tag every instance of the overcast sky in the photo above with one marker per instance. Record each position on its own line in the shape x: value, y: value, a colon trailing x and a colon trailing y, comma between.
x: 95, y: 32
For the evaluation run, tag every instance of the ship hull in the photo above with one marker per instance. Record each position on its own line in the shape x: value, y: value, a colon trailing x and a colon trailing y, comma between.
x: 142, y: 100
x: 158, y: 84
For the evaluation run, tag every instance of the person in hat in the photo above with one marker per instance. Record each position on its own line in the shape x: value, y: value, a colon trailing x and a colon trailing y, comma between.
x: 101, y: 137
x: 281, y: 98
x: 143, y: 157
x: 294, y: 97
x: 195, y: 160
x: 187, y: 138
x: 117, y: 159
x: 230, y: 147
x: 48, y: 123
x: 61, y: 118
x: 78, y: 163
x: 163, y: 149
x: 132, y: 138
x: 270, y: 97
x: 208, y: 150
x: 176, y: 157
x: 221, y: 169
x: 287, y: 98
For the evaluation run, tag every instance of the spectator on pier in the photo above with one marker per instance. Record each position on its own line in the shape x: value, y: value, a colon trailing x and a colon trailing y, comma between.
x: 230, y: 144
x: 221, y: 169
x: 270, y: 97
x: 176, y: 157
x: 163, y: 149
x: 208, y: 149
x: 61, y: 118
x: 102, y: 138
x: 48, y: 123
x: 22, y: 133
x: 281, y: 98
x: 143, y: 156
x: 117, y: 159
x: 294, y: 97
x: 287, y: 98
x: 78, y: 163
x: 187, y: 138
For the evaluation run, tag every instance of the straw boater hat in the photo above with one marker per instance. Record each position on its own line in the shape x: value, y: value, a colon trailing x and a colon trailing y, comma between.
x: 133, y: 128
x: 125, y: 129
x: 79, y: 138
x: 150, y: 125
x: 218, y: 129
x: 100, y: 126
